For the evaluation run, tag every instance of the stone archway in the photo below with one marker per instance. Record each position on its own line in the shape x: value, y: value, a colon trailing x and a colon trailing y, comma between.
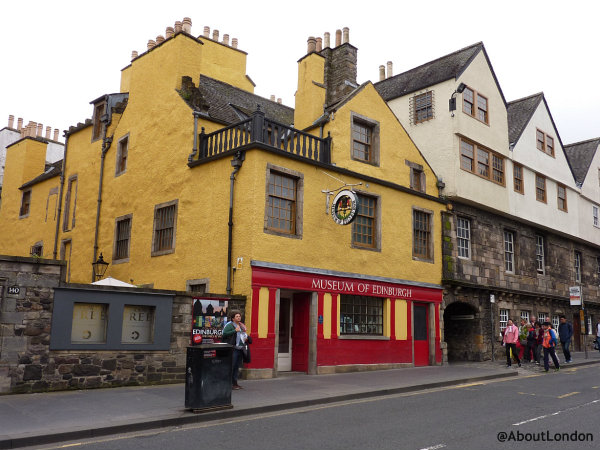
x: 461, y: 332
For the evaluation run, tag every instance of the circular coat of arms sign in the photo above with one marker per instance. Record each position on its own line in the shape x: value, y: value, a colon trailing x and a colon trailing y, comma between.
x: 344, y: 207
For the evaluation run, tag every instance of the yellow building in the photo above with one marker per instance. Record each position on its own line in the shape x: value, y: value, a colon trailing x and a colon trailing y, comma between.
x: 326, y: 216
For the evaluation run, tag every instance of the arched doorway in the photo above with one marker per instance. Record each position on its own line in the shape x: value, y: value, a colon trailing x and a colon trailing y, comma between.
x: 462, y: 332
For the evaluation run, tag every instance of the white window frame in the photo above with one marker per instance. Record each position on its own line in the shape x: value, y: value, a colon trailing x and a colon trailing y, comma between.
x: 463, y: 237
x: 542, y: 317
x: 589, y: 324
x: 525, y: 316
x: 539, y: 254
x: 509, y: 251
x: 577, y: 266
x: 503, y: 319
x: 596, y: 221
x: 555, y: 321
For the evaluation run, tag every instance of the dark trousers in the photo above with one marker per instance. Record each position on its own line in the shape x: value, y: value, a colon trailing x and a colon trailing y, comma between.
x: 538, y: 352
x: 550, y: 351
x: 514, y: 353
x: 529, y: 351
x: 565, y: 347
x: 237, y: 362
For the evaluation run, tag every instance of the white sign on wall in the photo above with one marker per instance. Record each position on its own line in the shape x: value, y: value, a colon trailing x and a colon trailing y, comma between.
x: 575, y: 296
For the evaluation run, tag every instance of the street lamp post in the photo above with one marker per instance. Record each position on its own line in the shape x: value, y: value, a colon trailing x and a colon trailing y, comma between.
x: 99, y: 267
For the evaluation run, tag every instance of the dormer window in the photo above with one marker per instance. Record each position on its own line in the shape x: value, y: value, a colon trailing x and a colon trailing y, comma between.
x: 99, y: 111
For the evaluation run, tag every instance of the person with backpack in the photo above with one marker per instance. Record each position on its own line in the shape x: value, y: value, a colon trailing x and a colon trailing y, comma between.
x: 510, y: 339
x: 549, y: 345
x: 565, y: 332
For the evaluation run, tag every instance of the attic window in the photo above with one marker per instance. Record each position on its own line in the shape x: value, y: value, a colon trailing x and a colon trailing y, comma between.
x: 99, y: 111
x: 365, y: 139
x: 475, y: 105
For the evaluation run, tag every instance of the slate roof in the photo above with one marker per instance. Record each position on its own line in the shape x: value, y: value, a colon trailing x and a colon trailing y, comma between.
x: 580, y: 156
x: 228, y: 104
x: 52, y: 170
x: 519, y: 114
x: 433, y: 72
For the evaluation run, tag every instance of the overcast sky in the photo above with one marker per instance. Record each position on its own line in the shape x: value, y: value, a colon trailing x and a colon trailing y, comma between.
x: 59, y: 55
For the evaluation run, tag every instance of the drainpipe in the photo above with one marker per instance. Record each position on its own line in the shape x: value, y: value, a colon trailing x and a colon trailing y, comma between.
x: 236, y: 163
x: 60, y: 195
x: 106, y: 142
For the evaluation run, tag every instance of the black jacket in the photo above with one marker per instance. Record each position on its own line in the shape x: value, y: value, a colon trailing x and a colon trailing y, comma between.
x: 565, y: 331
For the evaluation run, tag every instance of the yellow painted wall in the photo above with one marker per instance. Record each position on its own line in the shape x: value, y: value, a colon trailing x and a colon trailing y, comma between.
x: 310, y: 97
x: 25, y: 160
x: 401, y: 313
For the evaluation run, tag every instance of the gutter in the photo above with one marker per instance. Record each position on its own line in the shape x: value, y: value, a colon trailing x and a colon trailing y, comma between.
x: 236, y: 163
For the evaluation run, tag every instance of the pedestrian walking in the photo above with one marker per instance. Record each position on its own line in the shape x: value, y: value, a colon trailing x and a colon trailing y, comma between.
x: 598, y: 334
x: 565, y: 333
x: 510, y: 339
x: 531, y: 344
x: 549, y: 345
x: 538, y: 342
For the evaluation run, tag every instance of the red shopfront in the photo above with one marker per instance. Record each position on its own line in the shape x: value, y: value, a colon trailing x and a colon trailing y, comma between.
x: 317, y: 321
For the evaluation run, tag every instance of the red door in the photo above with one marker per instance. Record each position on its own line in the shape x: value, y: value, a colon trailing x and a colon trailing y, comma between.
x: 421, y: 334
x: 300, y: 326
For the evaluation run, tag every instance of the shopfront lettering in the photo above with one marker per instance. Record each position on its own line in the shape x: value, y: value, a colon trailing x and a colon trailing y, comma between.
x: 351, y: 287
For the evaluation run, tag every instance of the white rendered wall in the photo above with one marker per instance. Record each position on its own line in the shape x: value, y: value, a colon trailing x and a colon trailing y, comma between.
x: 590, y: 196
x: 7, y: 137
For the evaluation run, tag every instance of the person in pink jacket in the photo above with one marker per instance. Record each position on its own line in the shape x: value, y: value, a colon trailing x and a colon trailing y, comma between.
x: 511, y: 337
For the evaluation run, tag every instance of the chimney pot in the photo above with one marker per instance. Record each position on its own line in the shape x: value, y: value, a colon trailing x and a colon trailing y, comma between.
x: 160, y: 39
x: 216, y: 35
x: 206, y: 31
x: 177, y: 26
x: 151, y: 44
x: 226, y: 39
x: 48, y: 131
x: 312, y: 45
x: 346, y: 39
x: 390, y: 72
x: 234, y: 42
x: 11, y: 121
x: 338, y: 38
x: 381, y: 72
x: 319, y: 44
x: 56, y: 134
x: 169, y: 32
x: 40, y: 129
x: 19, y: 124
x: 134, y: 54
x: 272, y: 98
x: 326, y: 40
x: 279, y: 101
x: 186, y: 25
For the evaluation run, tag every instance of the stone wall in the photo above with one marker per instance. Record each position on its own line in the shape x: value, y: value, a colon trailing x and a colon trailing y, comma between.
x: 28, y: 365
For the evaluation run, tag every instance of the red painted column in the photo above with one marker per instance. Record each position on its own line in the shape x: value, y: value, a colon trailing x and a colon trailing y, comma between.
x: 320, y: 315
x: 393, y: 319
x: 409, y: 335
x: 272, y: 302
x: 438, y: 350
x: 254, y: 317
x: 334, y: 317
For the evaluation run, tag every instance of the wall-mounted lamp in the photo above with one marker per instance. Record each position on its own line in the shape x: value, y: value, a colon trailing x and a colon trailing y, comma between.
x: 99, y: 267
x: 452, y: 102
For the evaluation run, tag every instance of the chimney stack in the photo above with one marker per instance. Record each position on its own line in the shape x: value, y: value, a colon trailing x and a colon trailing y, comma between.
x: 226, y: 39
x: 151, y: 44
x: 312, y: 45
x: 272, y: 98
x: 40, y: 129
x: 390, y: 72
x: 177, y: 26
x: 134, y: 54
x: 19, y: 124
x: 326, y: 40
x: 216, y: 35
x: 169, y: 32
x: 56, y: 134
x: 319, y: 44
x: 206, y: 32
x: 160, y: 39
x: 381, y: 72
x: 234, y: 42
x: 338, y: 38
x: 279, y: 101
x: 11, y: 121
x: 346, y: 39
x: 186, y: 25
x: 48, y: 130
x: 340, y: 68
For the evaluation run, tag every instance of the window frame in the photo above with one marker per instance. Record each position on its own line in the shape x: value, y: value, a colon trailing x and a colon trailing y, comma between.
x: 25, y: 207
x: 428, y: 107
x: 37, y: 249
x: 99, y: 111
x: 374, y: 127
x: 540, y: 256
x: 595, y: 216
x: 520, y: 179
x: 118, y: 220
x: 509, y: 251
x: 69, y: 216
x: 473, y: 107
x: 538, y: 189
x: 189, y: 284
x: 577, y: 262
x: 344, y: 300
x: 376, y: 224
x: 298, y: 206
x: 544, y: 140
x: 560, y: 199
x: 157, y: 208
x: 119, y: 169
x: 475, y: 161
x: 503, y: 316
x: 417, y: 176
x: 429, y: 234
x: 464, y: 238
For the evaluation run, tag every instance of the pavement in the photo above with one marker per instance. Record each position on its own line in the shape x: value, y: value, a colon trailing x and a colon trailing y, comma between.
x: 43, y: 418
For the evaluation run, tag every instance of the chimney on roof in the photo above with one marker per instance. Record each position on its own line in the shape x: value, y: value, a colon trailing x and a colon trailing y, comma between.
x: 390, y: 72
x: 48, y: 130
x: 169, y: 32
x: 338, y: 38
x: 272, y: 98
x: 340, y: 69
x: 279, y: 101
x: 234, y: 42
x: 319, y: 44
x: 216, y: 35
x: 134, y: 54
x: 326, y: 40
x: 312, y: 45
x: 346, y: 38
x: 151, y: 44
x: 11, y: 121
x: 381, y: 72
x: 160, y: 39
x: 226, y: 39
x: 19, y: 124
x: 40, y: 129
x: 206, y: 32
x: 186, y: 25
x: 177, y: 26
x: 56, y: 134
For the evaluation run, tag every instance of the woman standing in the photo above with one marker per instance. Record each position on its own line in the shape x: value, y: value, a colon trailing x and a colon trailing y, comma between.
x: 234, y: 333
x: 511, y: 337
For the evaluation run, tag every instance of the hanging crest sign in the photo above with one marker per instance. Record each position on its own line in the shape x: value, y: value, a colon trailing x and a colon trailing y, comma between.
x: 344, y: 207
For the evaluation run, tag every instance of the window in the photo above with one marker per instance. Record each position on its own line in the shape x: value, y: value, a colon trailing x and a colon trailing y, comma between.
x: 365, y: 139
x: 540, y: 188
x: 122, y: 239
x: 544, y: 142
x: 165, y: 225
x: 361, y: 315
x: 423, y: 107
x: 525, y: 316
x: 283, y: 204
x: 198, y: 288
x: 52, y: 204
x: 595, y: 215
x: 363, y: 227
x: 417, y: 176
x: 479, y: 110
x: 555, y: 321
x: 99, y: 111
x: 25, y: 204
x: 509, y: 251
x: 485, y: 158
x: 598, y: 268
x: 463, y: 237
x: 562, y: 197
x: 70, y: 203
x: 422, y: 241
x: 37, y: 249
x: 577, y: 257
x: 589, y: 324
x: 539, y: 253
x: 122, y: 151
x: 542, y: 317
x: 518, y: 178
x: 503, y: 319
